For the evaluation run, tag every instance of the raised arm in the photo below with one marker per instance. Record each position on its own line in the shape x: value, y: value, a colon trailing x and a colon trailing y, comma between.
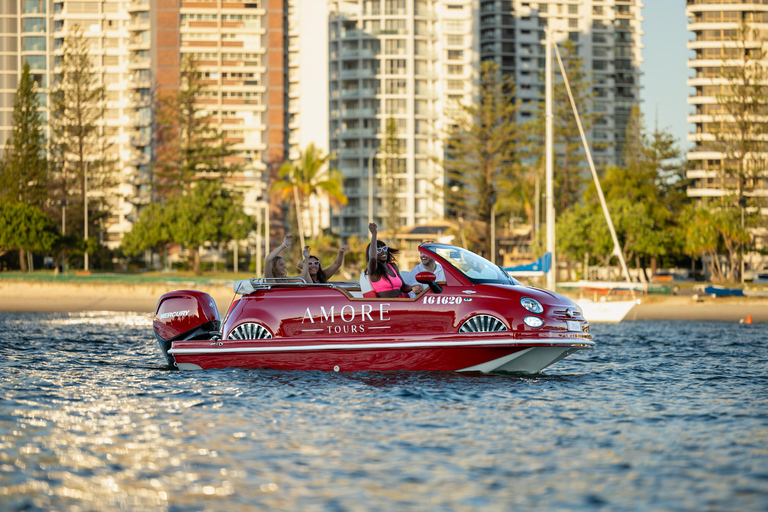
x: 305, y: 265
x: 372, y: 254
x: 274, y: 254
x: 333, y: 267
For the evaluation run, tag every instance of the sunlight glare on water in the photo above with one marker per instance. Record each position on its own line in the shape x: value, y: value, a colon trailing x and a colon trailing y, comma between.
x: 660, y: 416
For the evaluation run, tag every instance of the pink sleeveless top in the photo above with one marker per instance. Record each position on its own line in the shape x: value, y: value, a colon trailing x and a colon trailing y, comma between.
x: 382, y: 285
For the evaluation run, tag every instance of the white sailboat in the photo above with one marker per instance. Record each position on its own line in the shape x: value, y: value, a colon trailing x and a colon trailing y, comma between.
x: 593, y: 311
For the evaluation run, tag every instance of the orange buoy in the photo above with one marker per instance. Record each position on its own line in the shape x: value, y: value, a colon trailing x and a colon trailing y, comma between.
x: 748, y: 320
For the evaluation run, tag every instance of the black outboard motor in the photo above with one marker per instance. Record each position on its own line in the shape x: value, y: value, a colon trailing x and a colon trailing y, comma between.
x: 185, y: 315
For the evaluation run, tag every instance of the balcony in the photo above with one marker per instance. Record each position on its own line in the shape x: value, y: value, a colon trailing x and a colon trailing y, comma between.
x: 137, y: 5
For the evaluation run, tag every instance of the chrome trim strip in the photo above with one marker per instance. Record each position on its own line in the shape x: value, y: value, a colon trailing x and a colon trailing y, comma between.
x: 367, y: 346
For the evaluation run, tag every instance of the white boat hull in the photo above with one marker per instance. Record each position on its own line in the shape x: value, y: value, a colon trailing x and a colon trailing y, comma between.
x: 605, y: 311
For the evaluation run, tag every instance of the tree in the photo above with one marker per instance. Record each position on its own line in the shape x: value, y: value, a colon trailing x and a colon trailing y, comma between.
x: 645, y: 199
x: 210, y: 212
x: 480, y: 151
x: 189, y: 146
x: 306, y: 178
x: 23, y: 177
x: 25, y: 227
x: 390, y: 154
x: 741, y: 133
x: 194, y: 160
x: 79, y: 145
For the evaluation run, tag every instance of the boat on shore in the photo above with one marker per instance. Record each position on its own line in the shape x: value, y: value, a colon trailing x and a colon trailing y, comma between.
x: 479, y: 320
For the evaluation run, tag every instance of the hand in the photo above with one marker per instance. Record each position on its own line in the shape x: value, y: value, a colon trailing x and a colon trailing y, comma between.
x: 300, y: 264
x: 417, y: 289
x: 288, y: 240
x: 344, y: 249
x: 306, y: 252
x: 372, y: 228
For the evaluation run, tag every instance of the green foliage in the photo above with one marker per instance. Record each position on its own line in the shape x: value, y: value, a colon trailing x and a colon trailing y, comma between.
x: 480, y: 153
x: 307, y: 177
x: 24, y: 174
x: 25, y: 227
x: 708, y: 232
x: 189, y: 146
x: 209, y: 213
x: 645, y: 199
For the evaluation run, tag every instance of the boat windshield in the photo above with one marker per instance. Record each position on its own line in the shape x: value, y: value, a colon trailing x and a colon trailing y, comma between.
x: 476, y: 268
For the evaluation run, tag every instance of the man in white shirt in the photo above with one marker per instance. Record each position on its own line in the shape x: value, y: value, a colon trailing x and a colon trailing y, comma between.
x: 427, y: 265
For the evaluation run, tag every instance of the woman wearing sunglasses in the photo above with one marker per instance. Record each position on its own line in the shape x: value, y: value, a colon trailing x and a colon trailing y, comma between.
x: 382, y: 270
x: 275, y: 264
x: 323, y: 275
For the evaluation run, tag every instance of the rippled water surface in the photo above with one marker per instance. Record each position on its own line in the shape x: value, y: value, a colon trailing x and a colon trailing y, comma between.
x: 660, y: 416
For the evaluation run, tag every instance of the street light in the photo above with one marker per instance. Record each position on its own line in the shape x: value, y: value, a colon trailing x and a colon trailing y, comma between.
x: 85, y: 207
x: 492, y: 200
x: 63, y: 229
x: 370, y: 184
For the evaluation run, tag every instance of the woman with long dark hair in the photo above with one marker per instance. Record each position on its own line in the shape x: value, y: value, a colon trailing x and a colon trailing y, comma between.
x: 323, y: 275
x: 382, y: 269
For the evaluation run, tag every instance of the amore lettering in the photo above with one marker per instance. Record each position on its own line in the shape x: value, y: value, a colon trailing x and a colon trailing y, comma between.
x: 348, y: 314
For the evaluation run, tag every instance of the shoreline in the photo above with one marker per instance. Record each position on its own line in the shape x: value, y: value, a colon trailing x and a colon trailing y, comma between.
x: 40, y: 296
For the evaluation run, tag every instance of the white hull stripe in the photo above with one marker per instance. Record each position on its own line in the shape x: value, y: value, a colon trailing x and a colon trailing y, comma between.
x: 370, y: 346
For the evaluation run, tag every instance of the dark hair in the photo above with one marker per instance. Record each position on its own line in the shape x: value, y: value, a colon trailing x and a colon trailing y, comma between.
x: 381, y: 270
x: 320, y: 273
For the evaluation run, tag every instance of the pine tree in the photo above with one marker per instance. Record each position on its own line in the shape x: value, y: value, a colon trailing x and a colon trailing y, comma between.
x: 189, y: 145
x: 481, y: 150
x: 24, y: 172
x: 24, y: 178
x: 79, y: 146
x: 390, y: 157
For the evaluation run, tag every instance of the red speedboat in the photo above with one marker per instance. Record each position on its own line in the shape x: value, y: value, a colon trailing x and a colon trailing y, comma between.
x: 479, y: 320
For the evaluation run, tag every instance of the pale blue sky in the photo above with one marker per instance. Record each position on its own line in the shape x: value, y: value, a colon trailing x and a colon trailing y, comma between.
x: 664, y: 91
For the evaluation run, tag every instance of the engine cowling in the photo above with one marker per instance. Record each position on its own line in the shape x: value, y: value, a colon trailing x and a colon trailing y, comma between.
x: 185, y: 315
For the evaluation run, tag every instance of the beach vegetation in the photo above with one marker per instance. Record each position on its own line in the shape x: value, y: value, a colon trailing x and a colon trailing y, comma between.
x: 25, y: 228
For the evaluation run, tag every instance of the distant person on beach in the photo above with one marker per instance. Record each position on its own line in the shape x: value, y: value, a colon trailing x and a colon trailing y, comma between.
x: 275, y: 264
x: 323, y: 275
x: 382, y: 270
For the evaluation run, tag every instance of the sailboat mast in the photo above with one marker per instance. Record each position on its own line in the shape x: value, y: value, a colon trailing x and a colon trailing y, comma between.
x: 550, y: 169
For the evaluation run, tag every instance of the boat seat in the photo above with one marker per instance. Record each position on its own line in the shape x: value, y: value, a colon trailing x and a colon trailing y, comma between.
x: 366, y: 289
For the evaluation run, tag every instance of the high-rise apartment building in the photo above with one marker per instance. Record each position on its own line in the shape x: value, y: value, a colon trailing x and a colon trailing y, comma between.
x: 136, y: 47
x: 607, y: 37
x: 405, y: 60
x: 716, y: 29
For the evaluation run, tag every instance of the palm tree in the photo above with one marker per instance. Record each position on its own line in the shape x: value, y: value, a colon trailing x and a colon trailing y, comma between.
x: 307, y: 177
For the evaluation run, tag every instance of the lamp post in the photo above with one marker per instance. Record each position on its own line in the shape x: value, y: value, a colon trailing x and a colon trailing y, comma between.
x: 370, y: 184
x: 85, y: 208
x: 549, y: 164
x: 492, y: 200
x: 63, y: 229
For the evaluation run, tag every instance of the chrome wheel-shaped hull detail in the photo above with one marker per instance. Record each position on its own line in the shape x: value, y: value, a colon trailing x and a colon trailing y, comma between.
x: 483, y: 323
x: 249, y: 331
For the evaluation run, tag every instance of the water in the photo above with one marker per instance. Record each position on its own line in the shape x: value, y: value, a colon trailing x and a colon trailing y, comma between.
x: 661, y: 416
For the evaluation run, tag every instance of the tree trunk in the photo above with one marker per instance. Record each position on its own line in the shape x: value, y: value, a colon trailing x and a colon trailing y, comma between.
x: 196, y: 261
x: 23, y: 260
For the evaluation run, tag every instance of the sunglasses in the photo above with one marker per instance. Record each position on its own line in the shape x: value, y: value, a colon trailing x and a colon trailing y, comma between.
x: 314, y: 263
x: 383, y: 248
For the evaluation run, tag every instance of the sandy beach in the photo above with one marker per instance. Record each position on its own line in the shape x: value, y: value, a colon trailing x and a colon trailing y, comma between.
x: 35, y: 296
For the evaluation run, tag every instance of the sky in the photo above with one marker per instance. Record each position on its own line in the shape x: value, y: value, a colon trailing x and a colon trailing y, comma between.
x: 664, y: 92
